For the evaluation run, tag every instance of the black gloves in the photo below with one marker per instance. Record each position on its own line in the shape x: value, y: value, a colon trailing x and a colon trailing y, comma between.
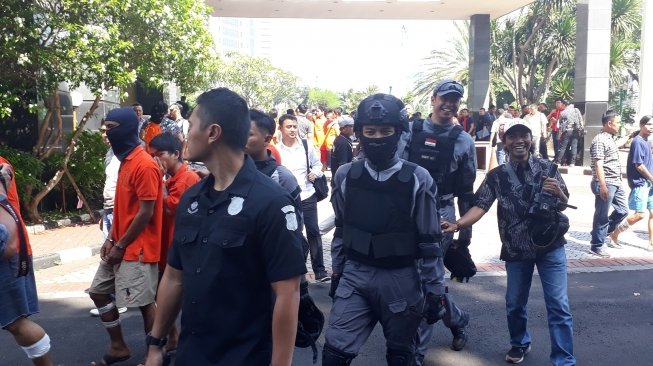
x: 434, y: 308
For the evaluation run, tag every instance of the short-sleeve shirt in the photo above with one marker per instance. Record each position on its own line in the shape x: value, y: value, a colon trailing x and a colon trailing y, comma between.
x: 139, y: 179
x: 640, y: 153
x: 176, y: 186
x: 12, y: 197
x: 230, y: 246
x: 604, y: 148
x: 151, y: 130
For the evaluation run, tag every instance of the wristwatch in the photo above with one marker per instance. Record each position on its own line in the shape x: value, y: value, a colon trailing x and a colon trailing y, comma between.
x: 151, y: 341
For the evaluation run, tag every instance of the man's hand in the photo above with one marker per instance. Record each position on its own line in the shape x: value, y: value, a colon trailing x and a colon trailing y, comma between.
x: 448, y: 227
x: 104, y: 250
x: 335, y: 281
x: 552, y: 186
x: 311, y: 177
x: 115, y: 254
x: 603, y: 191
x: 434, y: 308
x: 162, y: 165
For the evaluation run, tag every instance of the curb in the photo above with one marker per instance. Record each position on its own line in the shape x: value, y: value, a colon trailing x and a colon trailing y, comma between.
x: 48, y: 225
x: 65, y: 257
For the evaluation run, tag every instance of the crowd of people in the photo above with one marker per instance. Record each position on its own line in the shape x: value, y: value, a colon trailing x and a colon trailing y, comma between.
x: 214, y: 216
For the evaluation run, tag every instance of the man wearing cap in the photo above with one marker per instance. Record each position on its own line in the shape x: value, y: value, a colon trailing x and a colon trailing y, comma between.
x: 131, y: 252
x: 449, y: 155
x: 509, y: 184
x: 342, y: 151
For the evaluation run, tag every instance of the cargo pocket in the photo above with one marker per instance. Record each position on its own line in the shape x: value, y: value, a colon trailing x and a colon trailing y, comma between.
x: 398, y: 306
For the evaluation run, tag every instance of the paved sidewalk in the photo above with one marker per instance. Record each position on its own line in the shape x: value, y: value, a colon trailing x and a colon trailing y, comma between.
x: 69, y: 244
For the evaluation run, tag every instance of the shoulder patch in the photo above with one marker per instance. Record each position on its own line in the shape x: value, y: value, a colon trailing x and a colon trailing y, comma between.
x: 291, y: 217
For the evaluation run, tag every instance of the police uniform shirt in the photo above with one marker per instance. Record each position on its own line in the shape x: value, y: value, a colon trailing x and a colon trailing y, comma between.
x: 230, y: 246
x: 424, y: 211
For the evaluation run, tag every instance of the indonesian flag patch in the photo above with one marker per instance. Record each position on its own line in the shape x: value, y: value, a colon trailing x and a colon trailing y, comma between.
x: 430, y: 142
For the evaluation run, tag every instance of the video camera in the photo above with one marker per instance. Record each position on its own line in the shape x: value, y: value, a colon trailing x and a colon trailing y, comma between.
x: 544, y: 203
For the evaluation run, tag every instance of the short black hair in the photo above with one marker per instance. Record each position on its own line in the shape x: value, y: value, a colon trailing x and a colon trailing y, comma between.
x: 137, y: 104
x: 608, y: 116
x: 158, y: 111
x: 464, y: 109
x: 263, y: 121
x: 337, y: 111
x: 283, y: 118
x: 229, y: 110
x: 302, y: 108
x: 561, y: 101
x: 167, y: 142
x: 491, y: 106
x: 645, y: 120
x: 481, y: 109
x: 290, y: 111
x: 274, y: 113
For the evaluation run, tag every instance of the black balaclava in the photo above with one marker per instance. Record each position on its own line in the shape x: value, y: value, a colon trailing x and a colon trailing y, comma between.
x: 380, y: 151
x: 124, y: 137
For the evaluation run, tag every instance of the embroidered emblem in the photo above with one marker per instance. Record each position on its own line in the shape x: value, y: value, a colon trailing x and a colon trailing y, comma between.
x: 235, y: 206
x: 430, y: 142
x: 193, y: 208
x: 291, y: 217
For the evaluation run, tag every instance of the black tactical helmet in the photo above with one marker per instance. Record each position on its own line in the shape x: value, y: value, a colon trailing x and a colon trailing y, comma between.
x: 381, y: 109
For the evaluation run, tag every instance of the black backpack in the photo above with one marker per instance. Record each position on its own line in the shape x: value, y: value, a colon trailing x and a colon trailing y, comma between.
x: 459, y: 262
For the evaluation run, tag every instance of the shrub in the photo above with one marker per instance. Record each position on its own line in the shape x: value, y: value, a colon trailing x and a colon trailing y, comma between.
x: 28, y: 171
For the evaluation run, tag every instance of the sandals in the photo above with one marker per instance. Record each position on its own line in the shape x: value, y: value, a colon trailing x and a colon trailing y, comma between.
x: 108, y: 360
x: 168, y: 356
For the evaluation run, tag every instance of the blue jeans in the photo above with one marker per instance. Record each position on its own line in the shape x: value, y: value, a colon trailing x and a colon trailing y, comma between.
x: 107, y: 222
x: 501, y: 154
x: 603, y: 225
x: 552, y: 268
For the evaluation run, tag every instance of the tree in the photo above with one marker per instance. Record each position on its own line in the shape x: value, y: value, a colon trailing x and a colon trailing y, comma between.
x: 103, y: 44
x: 260, y: 83
x: 350, y: 99
x: 323, y: 97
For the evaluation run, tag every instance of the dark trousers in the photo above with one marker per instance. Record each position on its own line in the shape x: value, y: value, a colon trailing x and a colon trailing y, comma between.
x: 309, y: 207
x: 568, y: 139
x: 544, y: 153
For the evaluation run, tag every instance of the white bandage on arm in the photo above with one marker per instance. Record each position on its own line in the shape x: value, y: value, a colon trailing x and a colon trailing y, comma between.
x: 38, y: 349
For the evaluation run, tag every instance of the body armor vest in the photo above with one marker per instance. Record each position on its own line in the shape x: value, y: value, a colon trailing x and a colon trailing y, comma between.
x: 378, y: 228
x: 434, y: 152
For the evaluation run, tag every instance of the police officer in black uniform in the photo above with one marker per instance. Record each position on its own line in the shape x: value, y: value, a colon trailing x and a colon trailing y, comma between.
x: 236, y: 252
x: 386, y: 255
x: 450, y: 157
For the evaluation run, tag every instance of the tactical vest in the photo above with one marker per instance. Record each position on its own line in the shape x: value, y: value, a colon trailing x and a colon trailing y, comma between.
x: 434, y: 152
x: 378, y: 228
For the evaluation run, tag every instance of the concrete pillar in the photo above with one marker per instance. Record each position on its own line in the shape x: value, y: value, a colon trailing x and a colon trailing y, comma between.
x: 479, y: 62
x: 592, y: 65
x: 646, y: 76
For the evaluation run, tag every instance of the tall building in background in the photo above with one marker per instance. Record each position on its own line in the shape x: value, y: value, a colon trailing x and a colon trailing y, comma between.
x: 243, y: 35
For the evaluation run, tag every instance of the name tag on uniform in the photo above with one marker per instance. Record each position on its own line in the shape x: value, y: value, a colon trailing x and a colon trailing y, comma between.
x: 430, y: 142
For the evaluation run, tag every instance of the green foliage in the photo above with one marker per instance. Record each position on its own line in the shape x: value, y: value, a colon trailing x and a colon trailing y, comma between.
x: 323, y: 97
x: 260, y: 83
x: 87, y: 166
x: 563, y: 88
x: 350, y: 99
x: 27, y: 170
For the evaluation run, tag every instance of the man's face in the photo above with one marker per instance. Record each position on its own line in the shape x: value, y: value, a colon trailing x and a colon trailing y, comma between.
x: 319, y: 113
x: 518, y: 143
x: 526, y: 110
x: 481, y: 112
x: 197, y: 145
x: 378, y: 131
x: 257, y: 141
x: 445, y: 107
x: 103, y: 133
x: 409, y: 110
x: 167, y: 160
x: 532, y: 110
x: 330, y: 116
x: 646, y: 130
x: 173, y: 113
x: 492, y: 110
x: 541, y: 108
x: 288, y: 129
x: 464, y: 113
x: 139, y: 111
x: 515, y: 113
x: 559, y: 104
x: 613, y: 125
x: 347, y: 130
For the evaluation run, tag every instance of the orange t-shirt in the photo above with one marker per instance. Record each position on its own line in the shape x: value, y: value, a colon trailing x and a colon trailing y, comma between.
x: 176, y: 186
x: 331, y: 131
x: 139, y: 179
x: 318, y: 132
x: 275, y: 153
x: 12, y: 197
x: 152, y: 130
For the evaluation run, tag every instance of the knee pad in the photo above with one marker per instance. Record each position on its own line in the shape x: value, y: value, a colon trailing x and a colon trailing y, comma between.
x: 335, y: 357
x: 106, y: 308
x: 38, y: 349
x: 397, y: 357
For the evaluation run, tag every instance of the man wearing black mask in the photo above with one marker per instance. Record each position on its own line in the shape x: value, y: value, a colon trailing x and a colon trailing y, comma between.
x: 131, y: 252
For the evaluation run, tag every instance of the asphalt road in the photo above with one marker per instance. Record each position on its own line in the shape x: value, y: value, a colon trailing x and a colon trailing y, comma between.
x: 613, y: 325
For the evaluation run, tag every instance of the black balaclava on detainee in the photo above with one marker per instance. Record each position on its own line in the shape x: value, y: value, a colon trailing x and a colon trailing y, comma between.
x: 124, y: 137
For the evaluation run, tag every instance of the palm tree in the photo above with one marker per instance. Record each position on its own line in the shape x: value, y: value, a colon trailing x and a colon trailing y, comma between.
x: 450, y: 62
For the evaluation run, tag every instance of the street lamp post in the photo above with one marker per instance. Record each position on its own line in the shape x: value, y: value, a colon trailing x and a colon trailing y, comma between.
x: 76, y: 99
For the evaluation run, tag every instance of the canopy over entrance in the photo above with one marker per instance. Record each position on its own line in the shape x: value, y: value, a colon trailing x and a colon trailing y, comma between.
x: 364, y: 9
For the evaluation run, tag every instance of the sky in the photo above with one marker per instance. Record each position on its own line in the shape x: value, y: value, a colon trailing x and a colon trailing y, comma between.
x: 343, y: 54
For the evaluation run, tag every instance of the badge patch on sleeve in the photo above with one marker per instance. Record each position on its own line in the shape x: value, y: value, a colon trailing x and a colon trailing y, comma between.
x: 193, y: 208
x: 291, y: 217
x: 235, y: 206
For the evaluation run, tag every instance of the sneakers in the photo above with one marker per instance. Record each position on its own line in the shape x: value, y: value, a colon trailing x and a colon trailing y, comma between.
x: 95, y: 312
x: 599, y: 252
x: 322, y: 277
x: 613, y: 244
x: 516, y: 354
x: 459, y: 338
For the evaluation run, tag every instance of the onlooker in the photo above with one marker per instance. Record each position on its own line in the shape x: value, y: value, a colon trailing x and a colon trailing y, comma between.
x: 496, y: 137
x: 522, y: 249
x: 303, y: 161
x: 606, y: 184
x: 153, y: 126
x: 537, y: 123
x: 482, y: 128
x: 174, y: 113
x: 18, y: 297
x: 640, y: 180
x: 488, y: 119
x: 331, y: 131
x: 235, y: 263
x: 570, y: 130
x: 465, y: 120
x: 305, y: 126
x: 553, y: 117
x: 142, y: 121
x: 131, y: 251
x: 343, y: 148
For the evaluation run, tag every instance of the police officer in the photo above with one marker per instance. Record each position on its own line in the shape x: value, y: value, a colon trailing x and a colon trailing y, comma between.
x: 449, y: 155
x: 236, y: 252
x: 387, y: 260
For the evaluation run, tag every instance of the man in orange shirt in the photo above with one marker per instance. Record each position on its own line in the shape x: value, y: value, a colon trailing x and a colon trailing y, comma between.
x: 132, y: 250
x: 18, y: 298
x: 331, y: 131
